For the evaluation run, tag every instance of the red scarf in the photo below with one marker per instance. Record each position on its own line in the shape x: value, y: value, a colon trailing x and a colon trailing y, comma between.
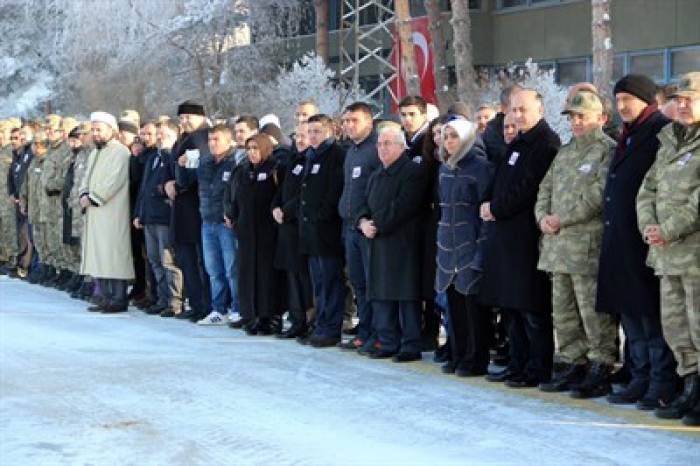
x: 629, y: 129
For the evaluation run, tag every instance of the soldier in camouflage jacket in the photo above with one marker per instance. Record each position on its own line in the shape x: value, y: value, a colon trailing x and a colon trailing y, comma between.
x: 667, y: 209
x: 569, y: 212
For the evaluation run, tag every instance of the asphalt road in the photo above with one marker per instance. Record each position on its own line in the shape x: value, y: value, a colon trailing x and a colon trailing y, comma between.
x: 87, y: 389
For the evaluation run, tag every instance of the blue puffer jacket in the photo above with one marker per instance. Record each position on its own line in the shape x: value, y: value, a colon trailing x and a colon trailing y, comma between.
x: 214, y: 179
x: 465, y: 182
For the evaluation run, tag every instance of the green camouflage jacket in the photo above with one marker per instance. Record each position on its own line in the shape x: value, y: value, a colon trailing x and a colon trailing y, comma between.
x: 52, y: 179
x: 32, y: 194
x: 573, y: 190
x: 669, y: 197
x: 78, y: 216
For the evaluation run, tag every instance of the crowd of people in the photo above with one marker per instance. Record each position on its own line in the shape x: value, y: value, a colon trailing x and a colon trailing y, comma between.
x: 484, y: 224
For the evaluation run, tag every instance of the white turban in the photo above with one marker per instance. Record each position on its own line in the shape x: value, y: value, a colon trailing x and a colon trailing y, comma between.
x: 106, y: 118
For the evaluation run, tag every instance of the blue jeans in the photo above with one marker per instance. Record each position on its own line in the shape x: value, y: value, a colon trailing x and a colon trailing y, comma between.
x: 327, y: 280
x: 220, y: 248
x: 357, y: 259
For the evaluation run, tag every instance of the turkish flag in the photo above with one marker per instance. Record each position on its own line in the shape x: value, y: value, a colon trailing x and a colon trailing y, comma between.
x: 424, y: 62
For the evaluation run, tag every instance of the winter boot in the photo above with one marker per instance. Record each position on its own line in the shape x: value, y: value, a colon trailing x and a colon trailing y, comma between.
x: 634, y: 392
x: 60, y: 279
x: 692, y: 418
x: 49, y: 274
x: 686, y: 401
x: 596, y: 383
x: 37, y: 273
x: 572, y: 374
x: 67, y: 282
x: 77, y: 284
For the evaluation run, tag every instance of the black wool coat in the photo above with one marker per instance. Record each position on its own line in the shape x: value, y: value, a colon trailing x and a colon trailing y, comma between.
x: 493, y: 139
x: 625, y: 284
x: 186, y: 222
x: 511, y: 279
x: 320, y: 225
x: 260, y: 284
x: 287, y: 256
x: 394, y: 203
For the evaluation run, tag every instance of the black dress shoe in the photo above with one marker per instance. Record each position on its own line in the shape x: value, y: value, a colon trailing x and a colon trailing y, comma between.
x: 155, y: 309
x: 240, y: 323
x: 323, y: 342
x: 114, y: 308
x: 634, y: 392
x: 382, y: 354
x: 291, y: 333
x: 469, y: 371
x: 184, y: 315
x: 448, y: 368
x: 502, y: 376
x: 524, y: 381
x: 406, y: 357
x: 197, y: 316
x: 168, y: 313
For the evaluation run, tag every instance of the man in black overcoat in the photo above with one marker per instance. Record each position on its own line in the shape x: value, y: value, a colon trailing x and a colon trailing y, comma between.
x: 511, y: 279
x: 626, y: 286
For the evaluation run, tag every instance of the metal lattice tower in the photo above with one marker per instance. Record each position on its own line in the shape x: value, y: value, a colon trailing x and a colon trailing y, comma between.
x: 363, y: 49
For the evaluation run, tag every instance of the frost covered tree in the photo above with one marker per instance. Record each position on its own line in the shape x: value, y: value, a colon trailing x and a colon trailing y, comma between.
x: 531, y: 76
x: 464, y: 62
x: 308, y: 79
x: 27, y: 64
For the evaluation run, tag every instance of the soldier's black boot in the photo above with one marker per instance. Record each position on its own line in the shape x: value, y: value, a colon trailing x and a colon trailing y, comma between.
x: 77, y: 283
x: 572, y: 374
x: 67, y: 282
x: 693, y: 417
x: 596, y: 383
x: 685, y: 402
x: 49, y: 275
x: 36, y: 273
x: 60, y: 279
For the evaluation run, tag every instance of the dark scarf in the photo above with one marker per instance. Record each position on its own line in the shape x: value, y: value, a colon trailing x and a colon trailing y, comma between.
x: 628, y: 129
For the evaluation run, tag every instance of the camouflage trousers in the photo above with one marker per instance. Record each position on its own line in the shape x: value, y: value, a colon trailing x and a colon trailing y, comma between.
x: 582, y: 333
x: 9, y: 244
x: 71, y: 257
x: 54, y: 239
x: 39, y: 234
x: 680, y: 318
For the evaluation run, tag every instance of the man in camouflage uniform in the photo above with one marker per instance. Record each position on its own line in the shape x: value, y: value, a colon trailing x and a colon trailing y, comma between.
x: 84, y: 141
x: 30, y: 204
x: 569, y: 213
x: 667, y: 209
x: 53, y: 177
x: 8, y: 215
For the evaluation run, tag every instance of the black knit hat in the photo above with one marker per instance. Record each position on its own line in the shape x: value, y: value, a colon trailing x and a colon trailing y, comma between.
x: 128, y: 126
x: 190, y: 107
x: 639, y: 86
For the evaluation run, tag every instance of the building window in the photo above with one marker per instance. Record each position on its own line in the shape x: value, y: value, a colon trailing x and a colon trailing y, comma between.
x: 684, y: 61
x: 572, y: 71
x: 505, y: 4
x: 649, y: 64
x: 618, y: 70
x: 473, y: 5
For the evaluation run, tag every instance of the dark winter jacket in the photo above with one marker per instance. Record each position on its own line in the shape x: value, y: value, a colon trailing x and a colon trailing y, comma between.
x: 511, y: 279
x: 494, y: 140
x: 287, y: 255
x: 361, y: 160
x: 393, y: 203
x: 137, y: 164
x: 153, y: 205
x: 465, y: 183
x: 18, y: 170
x: 626, y: 285
x: 186, y: 223
x: 241, y: 161
x: 66, y: 204
x: 260, y: 284
x: 319, y: 221
x: 213, y: 180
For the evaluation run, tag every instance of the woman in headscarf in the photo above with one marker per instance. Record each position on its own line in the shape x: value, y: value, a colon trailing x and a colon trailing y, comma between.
x: 258, y: 281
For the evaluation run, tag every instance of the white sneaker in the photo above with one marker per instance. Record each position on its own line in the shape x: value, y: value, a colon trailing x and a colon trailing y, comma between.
x: 214, y: 318
x: 233, y: 315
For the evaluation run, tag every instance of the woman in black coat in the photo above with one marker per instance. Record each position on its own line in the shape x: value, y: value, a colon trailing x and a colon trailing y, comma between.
x: 258, y: 279
x: 299, y: 294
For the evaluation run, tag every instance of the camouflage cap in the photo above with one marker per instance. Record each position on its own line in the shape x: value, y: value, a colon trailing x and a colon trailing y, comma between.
x: 53, y: 122
x: 585, y: 102
x: 163, y: 118
x: 14, y: 122
x: 689, y: 86
x: 68, y: 124
x: 84, y: 127
x: 132, y: 116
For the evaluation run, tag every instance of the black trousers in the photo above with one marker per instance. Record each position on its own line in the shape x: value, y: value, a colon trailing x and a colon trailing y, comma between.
x: 299, y: 296
x: 652, y: 359
x: 189, y: 257
x: 531, y: 336
x: 138, y: 251
x: 113, y: 290
x: 398, y: 325
x: 469, y: 331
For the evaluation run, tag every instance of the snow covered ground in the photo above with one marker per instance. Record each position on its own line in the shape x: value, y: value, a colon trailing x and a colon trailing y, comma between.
x: 87, y: 389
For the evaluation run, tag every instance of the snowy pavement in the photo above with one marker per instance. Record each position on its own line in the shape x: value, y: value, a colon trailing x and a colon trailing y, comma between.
x: 79, y: 388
